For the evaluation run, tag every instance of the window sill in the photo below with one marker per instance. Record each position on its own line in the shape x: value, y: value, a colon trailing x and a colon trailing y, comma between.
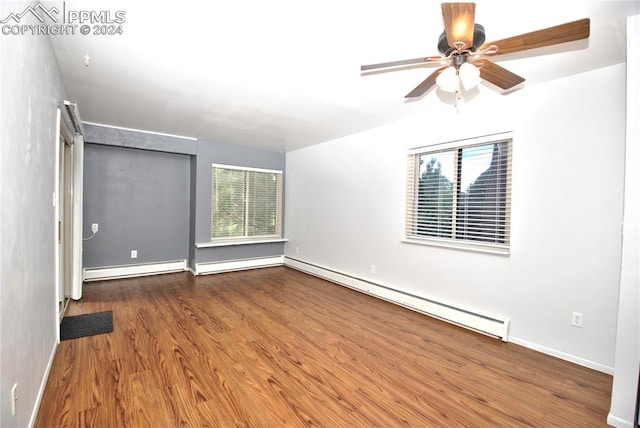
x: 232, y: 242
x: 465, y: 246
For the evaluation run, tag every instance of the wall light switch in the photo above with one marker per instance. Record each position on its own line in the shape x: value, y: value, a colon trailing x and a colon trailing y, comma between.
x: 134, y: 254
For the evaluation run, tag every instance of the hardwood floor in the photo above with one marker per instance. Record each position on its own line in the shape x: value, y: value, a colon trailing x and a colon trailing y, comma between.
x: 275, y: 347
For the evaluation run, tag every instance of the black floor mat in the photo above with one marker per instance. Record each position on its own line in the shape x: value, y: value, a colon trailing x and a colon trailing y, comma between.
x: 86, y: 325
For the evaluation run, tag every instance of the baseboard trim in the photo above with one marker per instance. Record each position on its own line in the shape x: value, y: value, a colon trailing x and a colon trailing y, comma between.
x: 99, y: 274
x: 43, y: 384
x: 234, y: 265
x: 464, y: 317
x: 618, y: 422
x: 562, y: 355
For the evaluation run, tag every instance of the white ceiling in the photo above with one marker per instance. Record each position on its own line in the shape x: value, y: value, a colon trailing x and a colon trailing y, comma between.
x: 285, y: 74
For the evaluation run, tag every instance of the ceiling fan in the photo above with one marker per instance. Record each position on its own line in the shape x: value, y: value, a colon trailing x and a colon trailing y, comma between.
x: 462, y: 45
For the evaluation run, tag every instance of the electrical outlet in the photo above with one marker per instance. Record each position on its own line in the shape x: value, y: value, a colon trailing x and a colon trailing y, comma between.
x: 14, y: 398
x: 373, y: 268
x: 94, y: 227
x: 134, y: 254
x: 576, y: 319
x: 297, y: 250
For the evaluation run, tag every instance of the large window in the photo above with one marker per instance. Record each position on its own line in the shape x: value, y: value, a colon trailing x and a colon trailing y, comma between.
x: 459, y: 194
x: 245, y: 203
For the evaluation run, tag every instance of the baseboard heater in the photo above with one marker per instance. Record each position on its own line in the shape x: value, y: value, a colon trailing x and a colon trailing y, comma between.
x: 127, y: 271
x: 471, y: 319
x: 242, y: 264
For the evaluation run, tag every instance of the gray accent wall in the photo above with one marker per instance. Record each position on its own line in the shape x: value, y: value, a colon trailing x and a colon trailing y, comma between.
x: 152, y: 193
x: 192, y: 210
x: 140, y: 200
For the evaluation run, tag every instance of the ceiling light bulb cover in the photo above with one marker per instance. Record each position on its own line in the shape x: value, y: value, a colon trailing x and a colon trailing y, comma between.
x: 448, y: 80
x: 469, y: 75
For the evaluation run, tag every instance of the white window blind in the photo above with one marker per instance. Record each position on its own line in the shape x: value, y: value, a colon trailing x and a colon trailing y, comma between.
x: 245, y: 202
x: 460, y: 194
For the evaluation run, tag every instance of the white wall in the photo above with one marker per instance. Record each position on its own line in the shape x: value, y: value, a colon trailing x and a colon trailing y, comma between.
x: 31, y: 88
x: 627, y: 359
x: 345, y: 211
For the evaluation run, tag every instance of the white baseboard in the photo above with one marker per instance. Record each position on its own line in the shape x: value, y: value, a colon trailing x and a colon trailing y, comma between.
x: 98, y: 274
x: 562, y: 355
x: 618, y: 422
x: 464, y: 317
x: 43, y: 384
x: 232, y: 265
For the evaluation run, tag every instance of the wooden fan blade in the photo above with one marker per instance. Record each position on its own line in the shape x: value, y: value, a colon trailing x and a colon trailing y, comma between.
x: 458, y: 23
x: 427, y: 84
x: 401, y: 62
x: 492, y: 72
x: 569, y: 32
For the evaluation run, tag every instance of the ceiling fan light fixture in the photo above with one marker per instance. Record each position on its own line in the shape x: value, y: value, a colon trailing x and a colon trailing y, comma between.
x: 447, y: 80
x: 478, y: 40
x: 469, y: 75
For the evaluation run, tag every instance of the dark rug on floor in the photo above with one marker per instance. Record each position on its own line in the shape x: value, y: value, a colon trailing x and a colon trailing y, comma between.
x: 86, y: 325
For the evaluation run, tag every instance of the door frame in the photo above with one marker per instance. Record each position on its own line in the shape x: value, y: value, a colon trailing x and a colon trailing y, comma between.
x: 67, y: 201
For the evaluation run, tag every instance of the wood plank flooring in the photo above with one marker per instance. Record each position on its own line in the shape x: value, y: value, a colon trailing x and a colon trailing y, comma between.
x: 278, y: 348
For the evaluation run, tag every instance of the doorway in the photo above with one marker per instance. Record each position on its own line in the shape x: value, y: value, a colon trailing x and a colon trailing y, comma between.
x: 68, y: 203
x: 64, y: 213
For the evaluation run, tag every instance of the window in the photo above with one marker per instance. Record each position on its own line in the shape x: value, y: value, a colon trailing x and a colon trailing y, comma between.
x: 245, y: 203
x: 459, y: 194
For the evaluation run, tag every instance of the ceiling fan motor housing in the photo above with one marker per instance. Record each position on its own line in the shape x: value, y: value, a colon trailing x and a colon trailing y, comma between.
x: 478, y: 40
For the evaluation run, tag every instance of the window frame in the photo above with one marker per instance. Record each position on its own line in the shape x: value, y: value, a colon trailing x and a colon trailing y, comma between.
x: 412, y: 185
x: 245, y: 238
